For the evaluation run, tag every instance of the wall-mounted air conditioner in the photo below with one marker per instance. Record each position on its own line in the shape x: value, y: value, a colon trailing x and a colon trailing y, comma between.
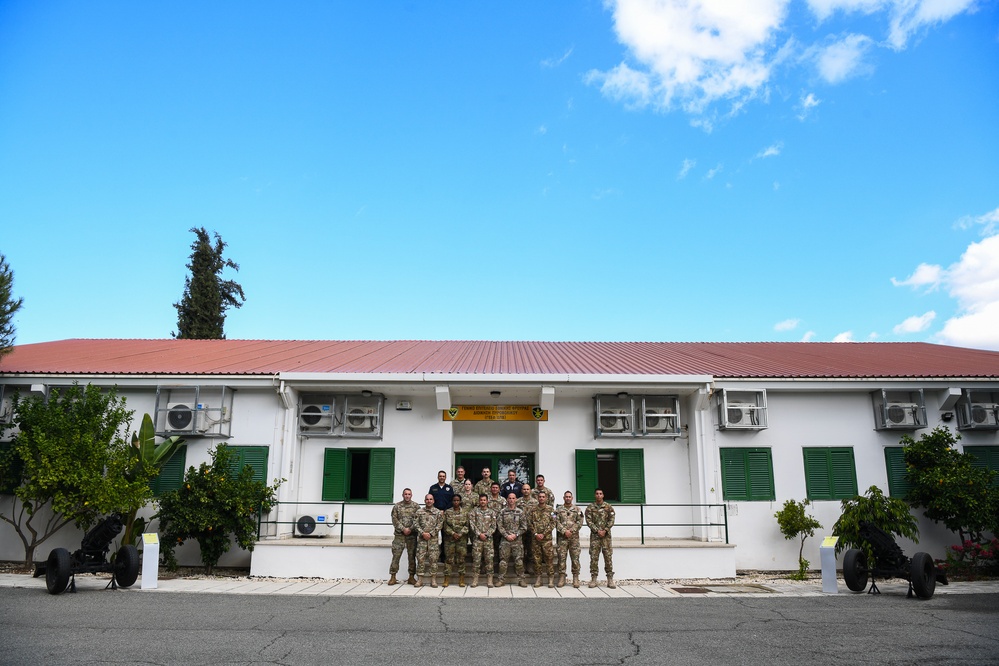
x: 361, y: 419
x: 184, y: 417
x: 741, y: 415
x: 660, y: 420
x: 615, y: 420
x: 316, y: 417
x: 983, y: 415
x: 902, y: 414
x: 308, y: 526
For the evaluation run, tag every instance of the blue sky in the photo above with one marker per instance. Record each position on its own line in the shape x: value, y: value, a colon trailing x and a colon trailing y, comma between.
x: 635, y: 170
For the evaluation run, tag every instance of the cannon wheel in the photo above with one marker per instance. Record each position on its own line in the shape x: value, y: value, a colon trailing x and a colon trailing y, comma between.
x: 855, y: 571
x: 126, y: 566
x: 924, y: 575
x: 58, y: 569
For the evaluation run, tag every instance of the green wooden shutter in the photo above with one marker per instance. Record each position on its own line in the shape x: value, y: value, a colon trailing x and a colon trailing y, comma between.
x: 898, y: 481
x: 255, y: 457
x: 171, y: 474
x: 818, y: 483
x: 759, y: 464
x: 735, y: 483
x: 381, y: 475
x: 586, y: 474
x: 843, y: 472
x: 335, y: 475
x: 985, y: 457
x: 631, y: 463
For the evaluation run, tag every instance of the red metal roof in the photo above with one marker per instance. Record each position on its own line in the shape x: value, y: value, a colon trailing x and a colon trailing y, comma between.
x: 794, y: 360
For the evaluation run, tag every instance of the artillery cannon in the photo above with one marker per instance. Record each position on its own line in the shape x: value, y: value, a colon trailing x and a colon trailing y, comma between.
x: 889, y: 562
x: 92, y: 557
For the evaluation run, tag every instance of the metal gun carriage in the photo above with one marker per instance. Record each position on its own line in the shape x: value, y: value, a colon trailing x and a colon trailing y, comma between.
x: 92, y: 557
x: 889, y: 562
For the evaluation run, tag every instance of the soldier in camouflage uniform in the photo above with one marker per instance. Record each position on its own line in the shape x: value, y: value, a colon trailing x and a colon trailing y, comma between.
x: 600, y: 519
x: 511, y: 525
x: 485, y: 483
x: 403, y: 520
x: 455, y: 527
x: 482, y: 527
x: 540, y: 523
x: 541, y: 489
x: 526, y: 502
x: 428, y: 526
x: 468, y: 498
x: 497, y: 503
x: 568, y: 521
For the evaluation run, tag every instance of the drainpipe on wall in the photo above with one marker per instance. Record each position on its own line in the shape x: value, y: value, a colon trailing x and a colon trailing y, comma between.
x: 287, y: 456
x: 705, y: 458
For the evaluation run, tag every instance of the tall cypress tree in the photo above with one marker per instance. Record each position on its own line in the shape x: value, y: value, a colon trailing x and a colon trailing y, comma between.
x: 8, y: 306
x: 201, y: 311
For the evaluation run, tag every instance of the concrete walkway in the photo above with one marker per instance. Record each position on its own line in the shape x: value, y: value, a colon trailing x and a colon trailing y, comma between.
x: 625, y: 589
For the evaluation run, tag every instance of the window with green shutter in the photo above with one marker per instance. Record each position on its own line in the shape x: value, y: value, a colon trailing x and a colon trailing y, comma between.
x: 254, y: 456
x: 898, y: 474
x: 171, y: 473
x: 358, y: 475
x: 985, y: 457
x: 830, y: 473
x: 747, y: 475
x: 620, y: 473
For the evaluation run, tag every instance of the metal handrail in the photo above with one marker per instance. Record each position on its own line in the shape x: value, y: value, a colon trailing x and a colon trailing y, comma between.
x: 642, y: 524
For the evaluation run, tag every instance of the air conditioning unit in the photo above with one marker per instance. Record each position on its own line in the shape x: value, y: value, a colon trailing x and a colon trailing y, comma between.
x: 615, y: 420
x: 898, y: 414
x: 660, y: 420
x: 307, y: 526
x: 185, y: 417
x: 361, y: 419
x: 741, y: 415
x: 983, y: 415
x: 319, y: 417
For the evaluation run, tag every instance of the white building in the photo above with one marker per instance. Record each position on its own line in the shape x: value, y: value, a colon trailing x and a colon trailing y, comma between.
x: 696, y: 444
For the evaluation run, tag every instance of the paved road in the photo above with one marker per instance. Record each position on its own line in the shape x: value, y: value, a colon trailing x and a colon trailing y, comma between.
x: 97, y: 626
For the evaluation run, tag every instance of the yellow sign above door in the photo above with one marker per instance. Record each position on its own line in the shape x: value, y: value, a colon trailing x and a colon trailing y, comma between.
x: 495, y: 413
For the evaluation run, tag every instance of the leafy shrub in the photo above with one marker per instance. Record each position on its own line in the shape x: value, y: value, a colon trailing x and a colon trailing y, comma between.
x: 889, y: 513
x: 793, y: 523
x: 215, y: 502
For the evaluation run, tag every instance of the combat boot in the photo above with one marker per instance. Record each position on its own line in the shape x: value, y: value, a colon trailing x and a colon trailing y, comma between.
x: 392, y: 580
x: 489, y: 580
x: 551, y: 580
x: 537, y: 581
x: 475, y: 580
x: 575, y: 580
x: 412, y: 579
x: 419, y: 582
x: 561, y: 580
x: 499, y: 583
x: 593, y: 581
x: 461, y: 580
x: 520, y: 581
x: 433, y: 581
x: 447, y: 580
x: 610, y: 582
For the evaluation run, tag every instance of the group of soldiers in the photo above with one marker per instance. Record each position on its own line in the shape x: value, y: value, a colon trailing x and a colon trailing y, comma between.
x: 511, y: 521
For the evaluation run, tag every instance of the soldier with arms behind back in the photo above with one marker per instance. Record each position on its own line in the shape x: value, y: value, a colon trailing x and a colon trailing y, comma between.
x: 568, y: 521
x: 403, y: 522
x: 600, y: 519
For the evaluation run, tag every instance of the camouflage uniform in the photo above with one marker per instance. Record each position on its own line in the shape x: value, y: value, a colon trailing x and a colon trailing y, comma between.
x: 511, y: 521
x: 427, y: 550
x: 600, y: 517
x: 496, y: 505
x: 482, y: 488
x: 482, y: 521
x: 403, y: 516
x: 527, y: 504
x: 455, y: 523
x: 568, y: 519
x: 541, y: 521
x: 546, y: 491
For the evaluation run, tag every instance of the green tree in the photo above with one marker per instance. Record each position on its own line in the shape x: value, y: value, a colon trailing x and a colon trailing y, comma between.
x: 949, y: 487
x: 889, y: 513
x: 794, y: 522
x: 8, y: 307
x: 67, y: 463
x: 215, y: 502
x: 201, y: 310
x: 148, y: 459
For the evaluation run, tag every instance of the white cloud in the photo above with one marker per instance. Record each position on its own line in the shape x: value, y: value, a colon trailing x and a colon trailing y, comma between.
x: 840, y: 61
x: 787, y: 325
x: 905, y: 17
x: 845, y: 336
x: 925, y: 275
x: 915, y: 324
x: 692, y: 52
x: 713, y: 172
x: 542, y: 130
x: 806, y: 104
x: 685, y: 168
x: 771, y: 151
x: 555, y: 62
x: 989, y: 222
x: 808, y: 337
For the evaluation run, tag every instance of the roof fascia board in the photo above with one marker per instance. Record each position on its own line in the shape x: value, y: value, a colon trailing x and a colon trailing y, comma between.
x: 840, y: 384
x: 492, y: 379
